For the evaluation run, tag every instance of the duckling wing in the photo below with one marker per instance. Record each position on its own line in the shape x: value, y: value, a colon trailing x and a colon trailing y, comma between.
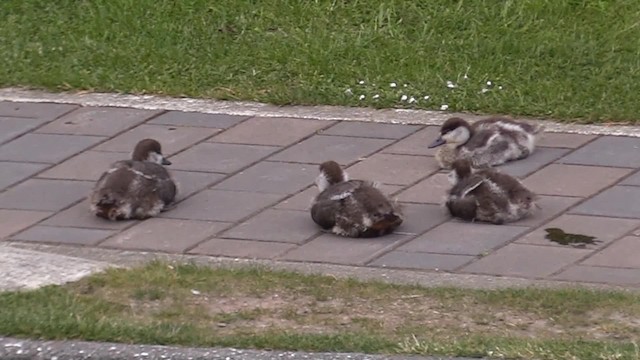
x: 330, y: 203
x: 156, y: 179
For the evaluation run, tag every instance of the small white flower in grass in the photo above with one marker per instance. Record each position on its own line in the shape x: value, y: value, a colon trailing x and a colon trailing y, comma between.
x: 500, y: 87
x: 412, y: 100
x: 465, y: 77
x: 361, y: 82
x: 484, y: 90
x: 489, y: 83
x: 405, y: 85
x: 451, y: 85
x: 195, y: 292
x: 348, y: 92
x: 426, y: 97
x: 444, y: 107
x: 376, y: 96
x: 403, y: 98
x: 393, y: 85
x: 362, y: 97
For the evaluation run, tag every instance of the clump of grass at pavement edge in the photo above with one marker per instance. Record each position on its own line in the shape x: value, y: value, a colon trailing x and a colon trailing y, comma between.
x: 186, y: 304
x: 563, y: 59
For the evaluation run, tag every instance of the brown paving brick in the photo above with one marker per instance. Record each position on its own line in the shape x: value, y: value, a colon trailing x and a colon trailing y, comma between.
x: 633, y: 180
x: 172, y: 139
x: 168, y: 235
x: 44, y: 111
x: 563, y: 140
x: 12, y: 221
x: 12, y: 172
x: 272, y: 178
x: 290, y: 226
x: 13, y: 127
x: 271, y: 131
x: 320, y: 148
x: 45, y: 148
x: 339, y: 250
x: 416, y: 144
x: 540, y: 158
x: 219, y: 205
x: 63, y: 235
x: 79, y: 216
x: 422, y: 261
x: 622, y: 253
x: 421, y: 217
x: 301, y: 201
x: 617, y: 151
x: 102, y: 121
x: 550, y: 207
x: 432, y: 190
x: 618, y: 201
x: 222, y: 158
x: 88, y: 165
x: 195, y: 119
x: 616, y: 276
x: 530, y: 261
x: 604, y: 229
x: 394, y: 168
x: 573, y: 180
x: 461, y: 238
x: 242, y: 248
x: 371, y: 130
x: 46, y: 195
x: 190, y: 182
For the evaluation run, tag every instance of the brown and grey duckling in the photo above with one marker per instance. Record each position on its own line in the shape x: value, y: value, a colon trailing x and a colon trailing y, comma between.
x: 139, y: 188
x: 352, y: 208
x: 487, y: 195
x: 489, y: 142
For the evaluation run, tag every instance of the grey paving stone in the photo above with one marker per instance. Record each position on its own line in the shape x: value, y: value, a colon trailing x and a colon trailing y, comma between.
x: 431, y: 190
x: 12, y: 172
x: 242, y: 248
x: 622, y: 253
x: 618, y: 201
x: 300, y: 201
x: 222, y: 158
x: 13, y: 127
x: 271, y: 131
x: 79, y: 216
x: 167, y: 235
x: 421, y: 261
x: 43, y: 111
x: 540, y: 158
x: 460, y: 238
x: 190, y: 182
x: 63, y: 235
x: 272, y: 177
x: 614, y: 151
x: 550, y: 207
x: 45, y: 195
x: 12, y: 221
x: 421, y: 217
x: 573, y: 180
x: 219, y: 205
x: 320, y: 148
x: 195, y: 119
x: 371, y: 130
x: 595, y: 274
x: 172, y: 139
x: 45, y: 148
x: 103, y: 121
x: 88, y: 165
x: 562, y: 140
x: 632, y: 180
x: 393, y: 168
x: 416, y: 144
x: 287, y: 226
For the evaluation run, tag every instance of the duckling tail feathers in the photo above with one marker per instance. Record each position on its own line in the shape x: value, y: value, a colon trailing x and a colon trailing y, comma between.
x: 388, y: 222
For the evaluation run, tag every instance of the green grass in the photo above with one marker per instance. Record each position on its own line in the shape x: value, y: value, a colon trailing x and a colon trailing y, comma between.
x: 259, y: 308
x: 566, y: 59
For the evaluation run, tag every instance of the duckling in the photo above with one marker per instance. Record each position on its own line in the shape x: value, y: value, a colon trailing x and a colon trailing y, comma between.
x: 135, y: 189
x: 489, y: 142
x: 487, y: 195
x: 352, y: 208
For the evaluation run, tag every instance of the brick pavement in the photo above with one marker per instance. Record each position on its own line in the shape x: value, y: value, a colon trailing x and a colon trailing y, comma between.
x: 246, y: 185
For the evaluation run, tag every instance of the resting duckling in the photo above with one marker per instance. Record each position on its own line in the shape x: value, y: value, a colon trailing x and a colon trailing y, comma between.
x: 489, y: 142
x: 487, y: 195
x: 135, y: 189
x: 352, y: 208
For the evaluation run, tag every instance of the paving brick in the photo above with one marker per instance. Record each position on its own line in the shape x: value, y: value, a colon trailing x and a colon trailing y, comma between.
x: 102, y: 121
x: 45, y: 148
x: 371, y: 130
x: 416, y: 144
x: 222, y: 158
x: 529, y: 261
x: 79, y: 216
x: 63, y: 235
x: 573, y: 180
x: 607, y: 151
x: 603, y: 228
x: 242, y: 248
x: 168, y: 235
x: 13, y: 172
x: 190, y: 182
x: 550, y: 207
x: 622, y: 253
x: 421, y: 217
x: 432, y: 190
x: 289, y: 226
x: 172, y: 139
x: 616, y: 276
x: 272, y: 178
x: 194, y: 119
x: 563, y: 140
x: 300, y: 201
x: 339, y: 250
x: 618, y: 201
x: 632, y: 180
x: 271, y: 131
x: 89, y: 165
x: 46, y: 195
x: 394, y: 168
x: 221, y: 205
x: 13, y: 127
x: 422, y: 261
x: 539, y: 159
x: 12, y: 221
x: 320, y: 148
x: 43, y: 111
x: 461, y: 238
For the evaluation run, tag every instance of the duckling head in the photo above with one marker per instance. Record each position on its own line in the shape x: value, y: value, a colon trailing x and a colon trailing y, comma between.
x: 330, y: 173
x: 460, y: 169
x: 149, y: 150
x: 454, y: 132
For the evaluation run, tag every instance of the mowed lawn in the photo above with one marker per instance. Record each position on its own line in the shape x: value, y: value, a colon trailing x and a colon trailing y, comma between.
x: 563, y: 59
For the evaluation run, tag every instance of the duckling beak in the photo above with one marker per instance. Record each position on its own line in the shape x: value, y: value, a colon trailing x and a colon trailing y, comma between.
x: 165, y: 161
x: 439, y: 141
